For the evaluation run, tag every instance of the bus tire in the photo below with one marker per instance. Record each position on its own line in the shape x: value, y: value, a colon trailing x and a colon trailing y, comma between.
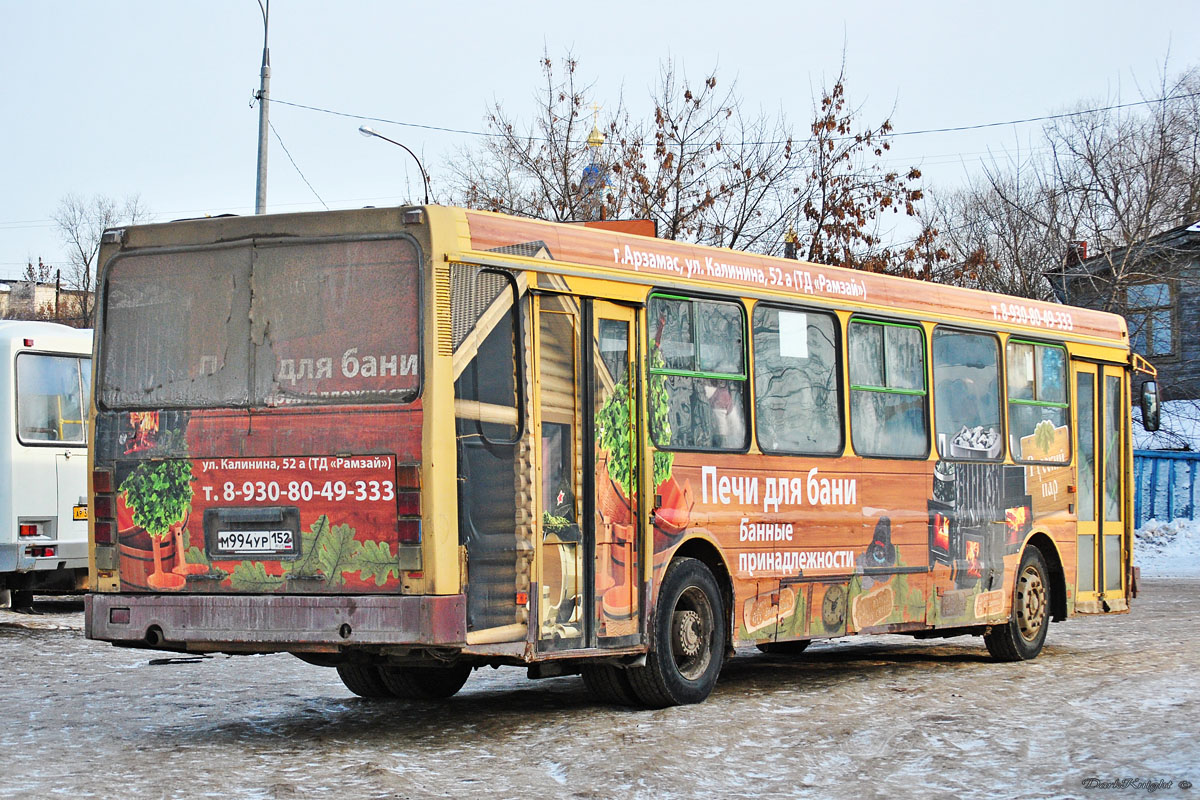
x: 792, y: 648
x: 363, y: 679
x: 609, y: 684
x: 425, y: 683
x: 1022, y: 637
x: 689, y: 639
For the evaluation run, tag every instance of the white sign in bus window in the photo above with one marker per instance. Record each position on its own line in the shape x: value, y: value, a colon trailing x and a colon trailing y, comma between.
x: 793, y: 334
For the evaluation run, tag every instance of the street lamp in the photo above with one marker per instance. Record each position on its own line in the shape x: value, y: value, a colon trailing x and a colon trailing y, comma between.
x: 366, y: 131
x: 260, y: 188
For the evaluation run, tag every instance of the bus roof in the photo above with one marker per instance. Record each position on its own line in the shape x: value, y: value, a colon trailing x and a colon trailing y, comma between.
x: 572, y: 249
x: 11, y: 329
x: 660, y: 262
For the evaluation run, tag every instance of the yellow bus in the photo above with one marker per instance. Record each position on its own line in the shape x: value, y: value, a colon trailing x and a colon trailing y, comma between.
x: 406, y: 443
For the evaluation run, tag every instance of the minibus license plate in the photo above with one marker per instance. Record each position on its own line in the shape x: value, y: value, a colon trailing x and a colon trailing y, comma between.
x: 255, y: 542
x: 79, y: 512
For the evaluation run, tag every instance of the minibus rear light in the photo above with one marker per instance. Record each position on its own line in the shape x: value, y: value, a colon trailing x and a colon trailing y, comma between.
x: 102, y: 480
x: 44, y: 551
x: 408, y: 504
x: 104, y: 506
x: 409, y: 531
x: 103, y: 531
x: 29, y: 529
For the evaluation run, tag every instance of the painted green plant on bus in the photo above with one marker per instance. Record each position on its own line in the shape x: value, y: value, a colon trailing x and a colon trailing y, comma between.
x: 1043, y: 436
x: 660, y: 416
x: 160, y: 494
x: 613, y: 426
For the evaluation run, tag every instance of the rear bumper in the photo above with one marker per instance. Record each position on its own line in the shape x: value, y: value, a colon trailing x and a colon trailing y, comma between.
x: 67, y: 555
x: 274, y: 622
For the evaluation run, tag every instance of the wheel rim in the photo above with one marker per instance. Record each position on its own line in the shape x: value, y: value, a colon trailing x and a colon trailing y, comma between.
x: 1031, y: 603
x: 691, y: 633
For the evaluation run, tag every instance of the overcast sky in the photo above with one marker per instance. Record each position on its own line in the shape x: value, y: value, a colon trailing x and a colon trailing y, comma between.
x: 152, y: 98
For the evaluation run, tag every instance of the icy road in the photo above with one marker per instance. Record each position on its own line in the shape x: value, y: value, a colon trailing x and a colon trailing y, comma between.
x: 1110, y: 709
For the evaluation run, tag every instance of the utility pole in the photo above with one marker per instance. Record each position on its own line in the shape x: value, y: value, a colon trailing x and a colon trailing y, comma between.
x: 260, y: 191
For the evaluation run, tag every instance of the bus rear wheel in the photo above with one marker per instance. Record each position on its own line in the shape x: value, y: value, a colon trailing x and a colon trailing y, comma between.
x: 1022, y: 637
x: 689, y: 639
x: 364, y: 680
x: 424, y: 683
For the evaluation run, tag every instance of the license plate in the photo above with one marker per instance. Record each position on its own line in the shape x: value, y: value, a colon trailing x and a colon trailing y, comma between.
x: 79, y: 512
x: 256, y: 542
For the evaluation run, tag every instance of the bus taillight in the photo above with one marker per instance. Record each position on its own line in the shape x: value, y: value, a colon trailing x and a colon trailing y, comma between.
x: 409, y: 531
x: 104, y: 531
x: 102, y: 480
x: 408, y: 510
x: 29, y: 529
x: 408, y: 476
x: 104, y: 513
x: 408, y: 504
x: 103, y: 507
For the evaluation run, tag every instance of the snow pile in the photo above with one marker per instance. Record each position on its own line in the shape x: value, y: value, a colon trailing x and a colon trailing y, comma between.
x: 1168, y: 549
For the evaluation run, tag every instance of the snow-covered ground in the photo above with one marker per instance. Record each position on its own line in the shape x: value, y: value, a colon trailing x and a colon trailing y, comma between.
x: 1172, y: 548
x: 1168, y: 549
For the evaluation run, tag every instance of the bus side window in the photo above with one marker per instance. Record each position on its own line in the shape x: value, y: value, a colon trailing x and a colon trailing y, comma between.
x: 797, y: 391
x: 888, y: 416
x: 1037, y: 402
x: 50, y: 399
x: 697, y: 362
x: 966, y: 395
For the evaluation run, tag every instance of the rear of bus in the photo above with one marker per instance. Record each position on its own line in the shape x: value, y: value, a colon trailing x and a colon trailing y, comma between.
x: 44, y: 383
x: 258, y: 450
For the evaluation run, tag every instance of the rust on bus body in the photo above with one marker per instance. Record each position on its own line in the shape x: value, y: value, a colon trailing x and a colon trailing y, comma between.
x: 283, y: 620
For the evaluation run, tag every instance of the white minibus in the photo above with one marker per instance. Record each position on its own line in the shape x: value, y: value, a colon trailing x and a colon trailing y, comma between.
x: 45, y: 386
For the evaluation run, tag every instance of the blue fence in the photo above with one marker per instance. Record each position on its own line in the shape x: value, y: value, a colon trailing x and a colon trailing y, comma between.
x: 1166, y: 485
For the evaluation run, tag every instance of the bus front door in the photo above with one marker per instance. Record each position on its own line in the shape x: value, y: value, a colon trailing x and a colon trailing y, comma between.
x: 1101, y: 493
x: 588, y: 582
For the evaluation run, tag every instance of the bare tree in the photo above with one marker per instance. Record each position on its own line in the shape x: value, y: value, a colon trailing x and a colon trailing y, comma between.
x: 758, y: 184
x: 1112, y: 178
x: 848, y: 191
x: 670, y: 168
x: 538, y: 170
x: 703, y: 167
x: 81, y: 224
x: 994, y: 232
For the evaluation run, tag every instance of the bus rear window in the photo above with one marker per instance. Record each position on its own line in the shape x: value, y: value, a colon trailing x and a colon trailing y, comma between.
x: 271, y: 325
x: 52, y: 398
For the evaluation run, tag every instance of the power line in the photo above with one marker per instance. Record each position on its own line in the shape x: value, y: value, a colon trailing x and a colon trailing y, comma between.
x: 952, y: 129
x: 1048, y: 117
x: 294, y: 164
x: 29, y: 224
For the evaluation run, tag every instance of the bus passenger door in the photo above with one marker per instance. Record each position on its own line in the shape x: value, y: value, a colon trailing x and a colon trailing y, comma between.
x: 588, y: 574
x: 1100, y: 488
x: 560, y: 465
x: 616, y: 456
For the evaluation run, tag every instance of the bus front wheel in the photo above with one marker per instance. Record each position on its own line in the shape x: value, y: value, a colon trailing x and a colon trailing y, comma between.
x: 689, y: 639
x: 609, y: 684
x: 1022, y: 637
